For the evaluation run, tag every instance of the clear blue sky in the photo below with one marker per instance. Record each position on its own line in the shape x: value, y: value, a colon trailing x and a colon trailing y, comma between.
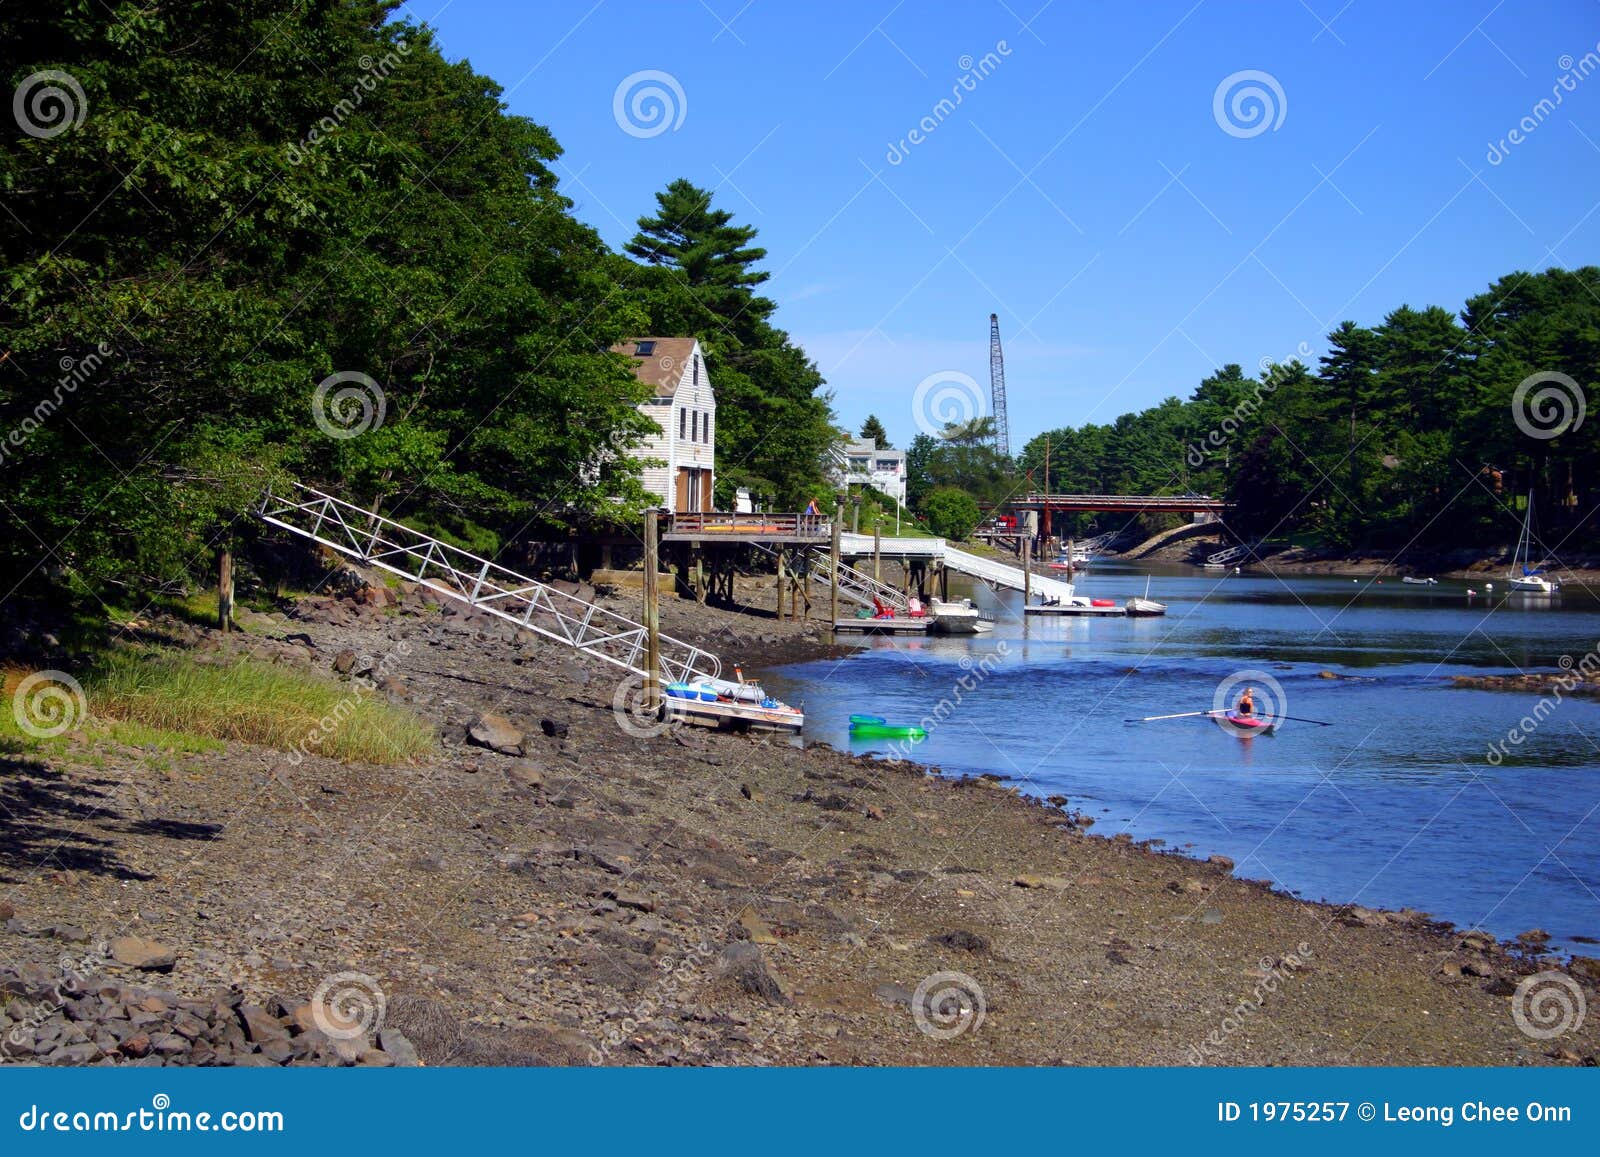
x: 1084, y: 190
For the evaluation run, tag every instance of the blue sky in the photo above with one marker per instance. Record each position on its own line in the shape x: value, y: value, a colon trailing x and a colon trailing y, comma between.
x: 1084, y: 189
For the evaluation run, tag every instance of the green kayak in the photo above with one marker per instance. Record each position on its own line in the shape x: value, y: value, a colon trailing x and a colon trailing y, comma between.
x: 885, y: 731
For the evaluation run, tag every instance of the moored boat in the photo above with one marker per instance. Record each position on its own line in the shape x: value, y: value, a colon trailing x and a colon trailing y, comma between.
x: 1413, y: 580
x: 1524, y: 578
x: 953, y: 617
x: 1143, y: 607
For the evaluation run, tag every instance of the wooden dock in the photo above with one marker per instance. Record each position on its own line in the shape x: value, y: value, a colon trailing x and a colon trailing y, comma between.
x: 881, y: 626
x: 1087, y: 612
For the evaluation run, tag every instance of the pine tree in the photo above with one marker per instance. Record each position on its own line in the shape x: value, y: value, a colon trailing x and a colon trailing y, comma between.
x: 872, y: 430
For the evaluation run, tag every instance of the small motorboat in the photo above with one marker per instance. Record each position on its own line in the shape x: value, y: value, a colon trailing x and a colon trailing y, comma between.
x: 1148, y: 608
x: 1412, y: 580
x: 957, y: 617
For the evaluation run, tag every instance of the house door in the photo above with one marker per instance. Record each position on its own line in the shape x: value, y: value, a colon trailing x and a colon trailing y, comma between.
x: 684, y: 483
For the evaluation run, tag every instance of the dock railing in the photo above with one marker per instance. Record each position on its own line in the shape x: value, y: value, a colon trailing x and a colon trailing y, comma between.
x: 717, y: 523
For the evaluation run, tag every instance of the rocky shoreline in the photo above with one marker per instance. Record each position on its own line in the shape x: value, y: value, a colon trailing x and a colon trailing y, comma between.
x: 573, y: 893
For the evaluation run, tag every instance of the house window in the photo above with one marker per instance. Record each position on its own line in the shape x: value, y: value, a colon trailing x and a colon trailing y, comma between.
x: 697, y: 372
x: 645, y: 348
x: 694, y: 425
x: 683, y: 422
x: 705, y: 430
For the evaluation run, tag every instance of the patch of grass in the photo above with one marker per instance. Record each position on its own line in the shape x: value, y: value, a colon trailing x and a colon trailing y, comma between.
x: 251, y: 702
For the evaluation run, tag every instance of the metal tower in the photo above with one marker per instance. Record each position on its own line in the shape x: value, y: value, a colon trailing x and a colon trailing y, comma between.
x: 997, y: 388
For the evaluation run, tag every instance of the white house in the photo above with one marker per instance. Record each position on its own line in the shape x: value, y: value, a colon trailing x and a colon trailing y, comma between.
x: 685, y: 408
x: 862, y: 463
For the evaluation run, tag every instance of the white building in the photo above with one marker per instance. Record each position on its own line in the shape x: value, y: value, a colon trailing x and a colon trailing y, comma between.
x: 862, y: 463
x: 685, y: 409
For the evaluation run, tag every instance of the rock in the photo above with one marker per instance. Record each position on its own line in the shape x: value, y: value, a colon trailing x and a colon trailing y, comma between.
x: 1534, y: 936
x: 136, y: 1046
x: 261, y: 1025
x: 1477, y: 941
x: 634, y: 900
x: 77, y: 1054
x: 138, y: 952
x: 1056, y: 800
x: 375, y: 1059
x: 496, y: 732
x: 526, y: 775
x: 1450, y: 970
x: 1223, y: 862
x: 746, y: 965
x: 1500, y: 986
x: 398, y: 1047
x: 894, y: 994
x: 756, y: 929
x: 1053, y: 883
x: 1327, y: 675
x: 1585, y: 967
x: 1477, y: 968
x: 7, y: 912
x: 874, y: 812
x: 344, y: 662
x: 277, y: 1051
x: 961, y: 940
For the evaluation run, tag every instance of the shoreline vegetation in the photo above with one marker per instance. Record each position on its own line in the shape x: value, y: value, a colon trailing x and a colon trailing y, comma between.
x: 540, y: 886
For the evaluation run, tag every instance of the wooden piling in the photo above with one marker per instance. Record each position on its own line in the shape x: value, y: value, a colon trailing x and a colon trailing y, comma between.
x: 833, y: 571
x: 652, y: 613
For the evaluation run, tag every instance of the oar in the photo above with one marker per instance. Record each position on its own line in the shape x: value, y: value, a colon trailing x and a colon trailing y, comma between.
x: 1192, y: 714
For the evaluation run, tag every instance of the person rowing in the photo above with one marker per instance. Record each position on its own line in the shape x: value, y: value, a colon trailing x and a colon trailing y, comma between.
x: 1246, y: 707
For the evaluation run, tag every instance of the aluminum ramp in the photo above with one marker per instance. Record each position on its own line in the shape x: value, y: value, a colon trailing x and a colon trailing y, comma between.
x: 551, y: 614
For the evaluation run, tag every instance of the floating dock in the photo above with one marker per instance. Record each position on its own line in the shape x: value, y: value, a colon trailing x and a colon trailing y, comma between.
x: 1078, y: 609
x: 882, y: 626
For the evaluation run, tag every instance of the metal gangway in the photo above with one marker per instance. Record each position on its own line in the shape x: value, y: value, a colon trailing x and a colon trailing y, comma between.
x: 998, y: 574
x: 1232, y: 554
x: 493, y: 589
x: 855, y: 585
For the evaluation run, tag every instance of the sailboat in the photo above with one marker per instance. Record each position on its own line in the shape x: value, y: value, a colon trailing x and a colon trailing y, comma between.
x: 1524, y: 578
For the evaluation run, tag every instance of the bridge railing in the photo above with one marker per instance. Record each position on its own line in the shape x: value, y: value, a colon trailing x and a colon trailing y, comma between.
x: 732, y: 525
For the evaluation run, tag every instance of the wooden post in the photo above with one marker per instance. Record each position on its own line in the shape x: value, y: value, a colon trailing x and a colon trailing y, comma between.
x: 1027, y: 570
x: 225, y: 591
x: 944, y: 582
x: 833, y: 571
x: 652, y: 615
x: 780, y: 583
x: 877, y: 553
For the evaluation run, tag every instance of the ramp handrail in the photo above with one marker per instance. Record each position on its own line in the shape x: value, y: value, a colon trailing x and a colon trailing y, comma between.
x: 855, y: 585
x: 532, y: 605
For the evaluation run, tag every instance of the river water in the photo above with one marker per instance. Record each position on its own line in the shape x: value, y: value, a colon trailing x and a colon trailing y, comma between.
x: 1397, y: 804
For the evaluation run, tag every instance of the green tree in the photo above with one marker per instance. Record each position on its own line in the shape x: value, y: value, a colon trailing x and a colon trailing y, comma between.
x: 872, y: 431
x: 951, y: 512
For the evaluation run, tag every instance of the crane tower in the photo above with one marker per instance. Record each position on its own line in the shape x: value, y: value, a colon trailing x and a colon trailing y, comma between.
x: 997, y: 388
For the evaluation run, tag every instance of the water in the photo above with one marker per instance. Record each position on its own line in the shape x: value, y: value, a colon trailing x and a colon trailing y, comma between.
x: 1395, y: 805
